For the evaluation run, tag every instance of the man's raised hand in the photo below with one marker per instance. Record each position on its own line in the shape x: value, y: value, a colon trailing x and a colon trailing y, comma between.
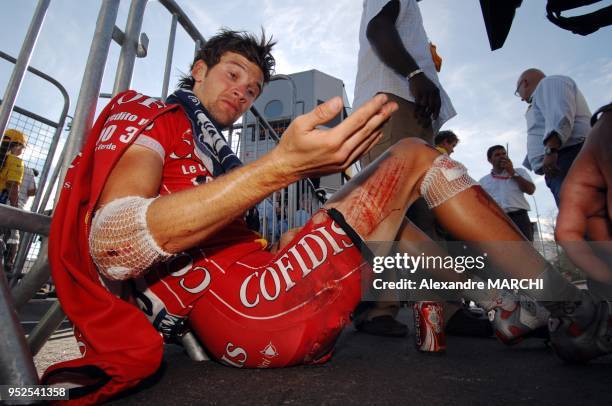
x: 305, y: 150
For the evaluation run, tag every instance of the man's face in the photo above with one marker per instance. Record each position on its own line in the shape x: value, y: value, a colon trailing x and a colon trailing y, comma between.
x: 229, y: 88
x: 524, y: 88
x: 498, y: 158
x: 16, y: 149
x: 449, y: 146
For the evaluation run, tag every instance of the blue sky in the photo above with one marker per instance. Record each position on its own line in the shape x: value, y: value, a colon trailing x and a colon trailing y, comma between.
x: 480, y: 82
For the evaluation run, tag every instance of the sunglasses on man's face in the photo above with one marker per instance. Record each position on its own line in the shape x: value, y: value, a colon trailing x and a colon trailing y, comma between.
x: 518, y: 87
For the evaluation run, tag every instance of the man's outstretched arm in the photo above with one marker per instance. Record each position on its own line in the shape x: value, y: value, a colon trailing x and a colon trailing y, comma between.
x: 181, y: 220
x: 584, y: 209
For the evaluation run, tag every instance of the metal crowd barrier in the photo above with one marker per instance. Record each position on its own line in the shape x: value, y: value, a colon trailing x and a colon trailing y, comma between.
x: 44, y: 135
x: 17, y: 367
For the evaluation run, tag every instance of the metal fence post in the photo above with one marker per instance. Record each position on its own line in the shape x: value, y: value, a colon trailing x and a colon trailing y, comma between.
x: 169, y: 55
x: 16, y: 364
x: 46, y: 327
x: 23, y: 60
x: 92, y: 80
x: 125, y: 66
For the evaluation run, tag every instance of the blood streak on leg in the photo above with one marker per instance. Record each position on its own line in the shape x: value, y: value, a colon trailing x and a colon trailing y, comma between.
x: 369, y: 204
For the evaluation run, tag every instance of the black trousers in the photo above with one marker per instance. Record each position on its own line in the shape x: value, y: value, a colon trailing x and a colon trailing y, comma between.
x: 521, y: 219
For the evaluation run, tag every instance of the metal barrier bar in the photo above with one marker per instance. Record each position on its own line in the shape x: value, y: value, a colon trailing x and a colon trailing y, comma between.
x: 193, y: 347
x: 282, y: 212
x: 257, y: 136
x: 25, y: 241
x: 196, y: 48
x: 92, y: 80
x: 46, y: 327
x: 34, y: 116
x: 33, y: 280
x: 263, y: 121
x: 169, y: 55
x: 23, y: 60
x: 14, y: 218
x: 184, y: 21
x: 129, y: 48
x: 274, y: 218
x: 51, y: 184
x: 16, y: 363
x: 118, y: 35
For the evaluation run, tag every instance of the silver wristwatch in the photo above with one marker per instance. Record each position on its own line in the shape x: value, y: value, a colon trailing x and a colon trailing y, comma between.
x: 550, y: 150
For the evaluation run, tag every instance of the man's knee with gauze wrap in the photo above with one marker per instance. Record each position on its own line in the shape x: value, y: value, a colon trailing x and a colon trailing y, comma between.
x: 445, y: 179
x: 120, y: 243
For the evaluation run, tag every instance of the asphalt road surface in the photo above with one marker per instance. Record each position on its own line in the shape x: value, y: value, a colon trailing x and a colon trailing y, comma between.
x: 377, y: 371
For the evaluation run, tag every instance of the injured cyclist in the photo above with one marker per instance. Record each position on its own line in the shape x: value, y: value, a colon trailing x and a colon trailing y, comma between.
x: 161, y: 248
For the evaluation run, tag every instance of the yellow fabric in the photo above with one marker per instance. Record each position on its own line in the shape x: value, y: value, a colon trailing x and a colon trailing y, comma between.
x: 437, y: 60
x: 16, y: 136
x: 12, y: 171
x: 441, y: 149
x: 263, y: 242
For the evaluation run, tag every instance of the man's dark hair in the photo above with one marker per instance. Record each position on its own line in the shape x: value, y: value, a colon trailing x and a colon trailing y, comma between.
x: 241, y: 42
x: 492, y: 149
x: 445, y: 135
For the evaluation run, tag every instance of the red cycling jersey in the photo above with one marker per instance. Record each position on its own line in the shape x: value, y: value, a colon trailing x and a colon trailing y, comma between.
x: 249, y: 307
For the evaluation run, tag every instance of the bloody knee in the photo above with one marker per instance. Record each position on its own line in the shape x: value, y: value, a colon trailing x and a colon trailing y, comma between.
x: 419, y: 153
x: 443, y: 180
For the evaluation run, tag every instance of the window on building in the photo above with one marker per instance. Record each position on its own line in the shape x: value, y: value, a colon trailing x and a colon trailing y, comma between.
x: 274, y: 109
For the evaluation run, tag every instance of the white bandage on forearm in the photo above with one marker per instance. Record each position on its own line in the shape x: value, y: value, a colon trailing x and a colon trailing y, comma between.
x: 443, y: 180
x: 120, y: 243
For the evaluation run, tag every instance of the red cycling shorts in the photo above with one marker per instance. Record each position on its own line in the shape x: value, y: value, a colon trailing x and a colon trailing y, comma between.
x: 254, y: 309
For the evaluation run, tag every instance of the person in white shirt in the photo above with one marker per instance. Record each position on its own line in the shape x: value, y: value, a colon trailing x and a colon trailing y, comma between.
x: 558, y: 121
x: 395, y: 58
x: 507, y: 185
x: 27, y: 188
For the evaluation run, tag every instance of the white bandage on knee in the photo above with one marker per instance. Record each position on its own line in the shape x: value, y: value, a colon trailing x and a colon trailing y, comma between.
x: 443, y: 180
x: 120, y: 243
